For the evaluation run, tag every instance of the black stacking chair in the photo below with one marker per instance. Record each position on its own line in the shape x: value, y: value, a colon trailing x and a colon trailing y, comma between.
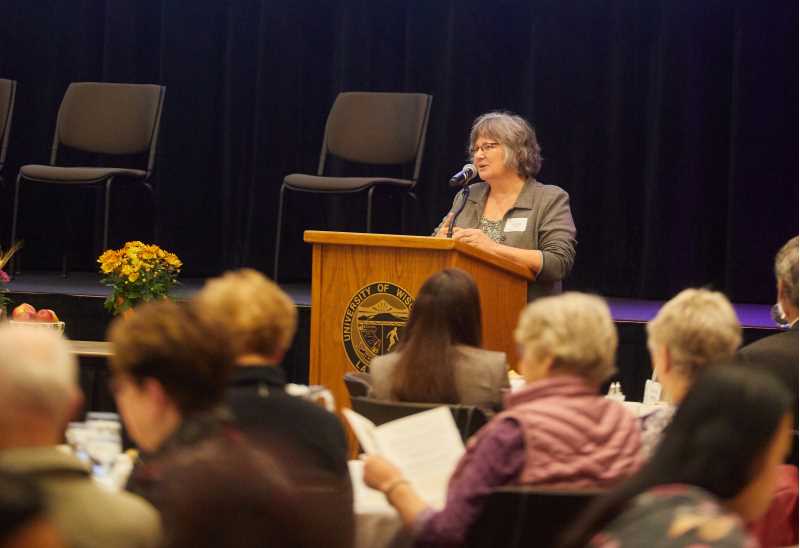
x: 8, y: 92
x: 469, y: 418
x: 113, y: 122
x: 379, y: 129
x: 519, y: 516
x: 357, y: 384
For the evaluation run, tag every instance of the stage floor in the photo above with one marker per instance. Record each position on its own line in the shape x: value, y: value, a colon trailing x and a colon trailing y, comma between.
x: 83, y: 284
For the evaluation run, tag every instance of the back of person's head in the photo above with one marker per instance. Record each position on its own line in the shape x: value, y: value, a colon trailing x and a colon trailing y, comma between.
x: 38, y: 376
x: 258, y: 316
x: 168, y: 342
x: 234, y: 495
x: 786, y: 271
x: 727, y: 437
x: 698, y: 327
x: 575, y: 330
x: 446, y: 312
x: 23, y: 521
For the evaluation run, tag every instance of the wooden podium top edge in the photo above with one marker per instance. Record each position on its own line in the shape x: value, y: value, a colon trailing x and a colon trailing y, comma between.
x: 413, y: 242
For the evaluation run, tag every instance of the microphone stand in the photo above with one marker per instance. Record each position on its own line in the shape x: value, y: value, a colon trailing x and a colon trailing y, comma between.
x: 464, y: 196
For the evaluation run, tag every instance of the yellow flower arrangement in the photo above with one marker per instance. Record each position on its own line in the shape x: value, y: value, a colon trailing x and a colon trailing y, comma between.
x: 137, y: 273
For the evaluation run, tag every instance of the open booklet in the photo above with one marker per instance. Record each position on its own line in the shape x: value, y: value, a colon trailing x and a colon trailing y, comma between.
x: 425, y: 447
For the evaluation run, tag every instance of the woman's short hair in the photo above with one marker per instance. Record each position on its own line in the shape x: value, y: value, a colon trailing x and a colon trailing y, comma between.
x: 258, y: 316
x: 37, y: 371
x: 516, y: 135
x: 698, y: 326
x: 786, y: 269
x: 575, y: 329
x: 168, y: 342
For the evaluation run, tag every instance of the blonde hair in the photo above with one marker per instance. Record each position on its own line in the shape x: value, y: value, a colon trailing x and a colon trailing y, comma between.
x: 259, y: 317
x: 698, y: 327
x: 575, y: 329
x: 786, y: 269
x: 37, y: 371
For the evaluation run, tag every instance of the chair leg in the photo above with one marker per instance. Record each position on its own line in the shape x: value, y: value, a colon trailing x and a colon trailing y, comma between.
x: 414, y: 213
x: 105, y: 214
x: 152, y: 193
x: 369, y: 207
x: 278, y: 231
x: 15, y: 266
x: 69, y: 236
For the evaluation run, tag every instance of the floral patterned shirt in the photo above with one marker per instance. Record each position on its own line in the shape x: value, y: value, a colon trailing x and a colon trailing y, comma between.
x: 673, y: 516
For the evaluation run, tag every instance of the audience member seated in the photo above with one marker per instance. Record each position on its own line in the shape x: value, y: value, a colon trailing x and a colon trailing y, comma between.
x: 260, y: 322
x: 235, y: 496
x: 692, y: 331
x: 556, y: 432
x: 168, y: 377
x: 40, y: 394
x: 778, y: 353
x: 713, y: 471
x: 23, y: 515
x: 438, y: 358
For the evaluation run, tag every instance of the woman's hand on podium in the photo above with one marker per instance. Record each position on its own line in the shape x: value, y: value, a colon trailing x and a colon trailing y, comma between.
x: 475, y: 238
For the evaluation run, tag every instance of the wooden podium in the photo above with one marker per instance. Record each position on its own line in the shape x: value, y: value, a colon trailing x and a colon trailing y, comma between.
x: 363, y: 285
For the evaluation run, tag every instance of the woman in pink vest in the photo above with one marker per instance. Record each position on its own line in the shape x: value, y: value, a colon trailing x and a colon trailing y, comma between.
x: 556, y: 432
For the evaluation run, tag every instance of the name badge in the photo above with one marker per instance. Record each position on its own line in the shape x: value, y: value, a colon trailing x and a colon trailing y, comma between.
x: 652, y: 392
x: 516, y: 224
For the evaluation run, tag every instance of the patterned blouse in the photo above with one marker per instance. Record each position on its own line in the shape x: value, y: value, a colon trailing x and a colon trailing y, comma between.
x: 675, y: 516
x: 493, y: 229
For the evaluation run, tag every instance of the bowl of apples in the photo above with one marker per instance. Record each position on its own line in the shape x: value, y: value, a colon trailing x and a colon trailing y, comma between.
x: 26, y: 315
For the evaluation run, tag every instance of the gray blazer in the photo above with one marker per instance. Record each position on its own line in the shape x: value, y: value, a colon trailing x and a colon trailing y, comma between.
x: 480, y: 375
x: 547, y: 226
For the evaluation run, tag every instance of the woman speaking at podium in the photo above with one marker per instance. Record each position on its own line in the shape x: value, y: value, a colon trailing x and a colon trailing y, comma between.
x: 511, y: 214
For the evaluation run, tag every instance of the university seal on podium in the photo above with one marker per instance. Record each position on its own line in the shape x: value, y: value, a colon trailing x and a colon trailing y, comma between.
x: 373, y: 321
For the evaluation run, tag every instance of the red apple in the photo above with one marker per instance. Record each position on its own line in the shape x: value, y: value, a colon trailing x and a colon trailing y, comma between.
x: 46, y: 315
x: 23, y: 313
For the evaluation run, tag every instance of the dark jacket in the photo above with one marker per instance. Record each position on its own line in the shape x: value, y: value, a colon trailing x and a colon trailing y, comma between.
x: 145, y: 479
x: 265, y: 412
x: 777, y: 354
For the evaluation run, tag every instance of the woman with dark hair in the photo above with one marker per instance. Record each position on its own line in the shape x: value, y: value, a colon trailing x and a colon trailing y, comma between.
x: 439, y: 359
x: 714, y: 470
x: 511, y: 214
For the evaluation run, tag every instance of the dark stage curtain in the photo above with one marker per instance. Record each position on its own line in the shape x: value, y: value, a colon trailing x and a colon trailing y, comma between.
x: 672, y: 124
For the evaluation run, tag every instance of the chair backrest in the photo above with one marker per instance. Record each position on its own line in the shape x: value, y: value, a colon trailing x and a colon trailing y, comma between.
x: 105, y: 118
x: 517, y: 516
x: 8, y: 91
x: 357, y: 385
x: 469, y: 418
x: 377, y: 128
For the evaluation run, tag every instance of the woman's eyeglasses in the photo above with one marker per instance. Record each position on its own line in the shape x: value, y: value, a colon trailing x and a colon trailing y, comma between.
x: 485, y: 147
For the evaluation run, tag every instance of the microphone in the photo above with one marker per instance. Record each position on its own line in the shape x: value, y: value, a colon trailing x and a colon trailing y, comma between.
x: 467, y: 173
